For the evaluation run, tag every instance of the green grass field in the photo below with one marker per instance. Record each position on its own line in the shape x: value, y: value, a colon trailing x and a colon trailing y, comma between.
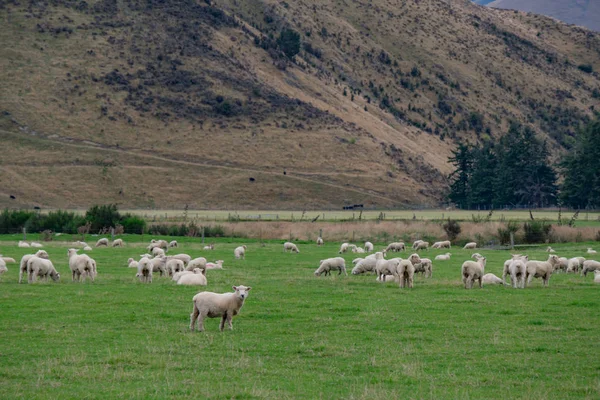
x: 297, y: 336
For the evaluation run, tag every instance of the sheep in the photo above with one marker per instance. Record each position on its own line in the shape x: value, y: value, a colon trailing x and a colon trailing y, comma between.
x: 470, y: 245
x: 42, y: 268
x: 589, y: 266
x: 550, y: 250
x: 517, y: 269
x: 25, y: 258
x: 473, y: 271
x: 240, y: 252
x: 563, y: 264
x: 81, y: 265
x: 3, y: 268
x: 157, y: 252
x: 476, y: 256
x: 443, y: 257
x: 386, y: 267
x: 506, y: 269
x: 442, y: 245
x: 158, y: 243
x: 575, y: 264
x: 406, y: 272
x: 173, y: 266
x: 596, y: 276
x: 209, y: 247
x: 416, y: 244
x: 196, y: 279
x: 591, y: 251
x: 159, y: 264
x: 199, y: 262
x: 388, y: 278
x: 492, y: 280
x: 423, y: 265
x: 216, y: 265
x: 366, y: 264
x: 102, y: 242
x: 395, y: 246
x: 118, y: 243
x: 343, y: 248
x: 36, y: 244
x: 356, y: 260
x: 212, y: 305
x: 173, y: 243
x: 368, y: 247
x: 145, y: 270
x: 179, y: 274
x: 23, y: 244
x: 319, y: 241
x: 336, y: 263
x: 291, y: 247
x: 422, y: 246
x: 131, y: 263
x: 183, y: 257
x: 87, y: 248
x: 359, y: 250
x: 8, y: 260
x: 541, y: 269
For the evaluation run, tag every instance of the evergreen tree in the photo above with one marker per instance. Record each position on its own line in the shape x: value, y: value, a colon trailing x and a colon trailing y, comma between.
x: 460, y: 187
x: 482, y: 177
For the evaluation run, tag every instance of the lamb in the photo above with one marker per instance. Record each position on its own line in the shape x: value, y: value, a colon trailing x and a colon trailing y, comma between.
x: 199, y: 262
x: 541, y: 269
x: 506, y: 269
x: 240, y: 252
x: 358, y: 250
x: 329, y: 264
x: 173, y: 243
x: 472, y: 271
x: 23, y: 244
x: 42, y: 268
x: 81, y: 265
x: 589, y: 266
x: 179, y: 274
x: 216, y: 265
x: 368, y: 247
x: 575, y: 264
x: 183, y: 257
x: 159, y: 264
x: 25, y: 258
x: 563, y: 264
x: 442, y: 245
x: 36, y: 244
x: 212, y: 305
x: 550, y: 250
x: 102, y: 242
x: 596, y: 276
x: 492, y: 280
x: 517, y: 270
x: 443, y: 257
x: 173, y: 266
x: 395, y: 246
x: 422, y: 246
x: 387, y: 278
x: 145, y: 270
x: 209, y: 247
x: 291, y: 247
x: 343, y: 248
x: 386, y: 267
x: 591, y: 251
x: 470, y: 245
x: 87, y: 248
x: 157, y: 252
x: 406, y: 272
x: 319, y: 241
x: 366, y: 264
x: 422, y: 265
x: 196, y: 279
x: 118, y: 243
x: 131, y: 263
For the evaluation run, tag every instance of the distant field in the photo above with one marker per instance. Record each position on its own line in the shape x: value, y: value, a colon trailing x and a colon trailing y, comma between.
x: 298, y: 336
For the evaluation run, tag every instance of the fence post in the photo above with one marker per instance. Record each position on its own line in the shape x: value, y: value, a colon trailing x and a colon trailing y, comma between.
x: 512, y: 241
x: 352, y: 236
x: 321, y: 233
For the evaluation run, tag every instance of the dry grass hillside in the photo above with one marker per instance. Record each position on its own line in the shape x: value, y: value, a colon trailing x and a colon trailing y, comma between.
x: 162, y: 104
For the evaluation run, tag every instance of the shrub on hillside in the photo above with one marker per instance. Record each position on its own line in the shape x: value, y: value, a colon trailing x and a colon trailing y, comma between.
x: 452, y: 229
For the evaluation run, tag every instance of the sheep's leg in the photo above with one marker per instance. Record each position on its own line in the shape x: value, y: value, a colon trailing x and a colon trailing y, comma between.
x: 223, y: 319
x: 230, y: 320
x: 194, y: 317
x: 410, y: 282
x: 72, y: 276
x: 480, y: 283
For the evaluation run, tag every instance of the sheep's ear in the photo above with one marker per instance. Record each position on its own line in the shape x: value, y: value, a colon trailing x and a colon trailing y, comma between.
x: 234, y: 288
x: 248, y: 288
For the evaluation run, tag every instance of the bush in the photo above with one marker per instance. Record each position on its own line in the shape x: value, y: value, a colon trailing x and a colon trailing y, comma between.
x: 504, y: 232
x: 102, y: 217
x: 133, y: 224
x: 452, y: 229
x: 13, y: 220
x: 587, y: 68
x: 536, y: 231
x: 289, y: 42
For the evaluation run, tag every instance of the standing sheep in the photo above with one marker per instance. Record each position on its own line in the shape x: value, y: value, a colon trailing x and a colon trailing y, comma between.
x: 183, y: 257
x: 329, y: 264
x: 416, y: 244
x: 291, y: 247
x: 589, y: 266
x: 366, y: 264
x: 386, y: 267
x: 3, y: 268
x: 213, y: 305
x: 81, y: 265
x: 42, y: 268
x: 319, y: 241
x: 158, y: 252
x: 473, y: 271
x: 198, y: 278
x: 442, y: 245
x: 25, y: 258
x: 470, y: 245
x: 102, y: 242
x: 596, y: 276
x: 575, y: 264
x: 406, y: 272
x: 159, y: 264
x: 422, y: 246
x: 240, y: 252
x: 343, y: 248
x: 118, y: 243
x: 199, y: 262
x: 395, y: 246
x: 144, y: 270
x: 517, y: 270
x: 173, y: 266
x: 506, y: 270
x: 368, y: 247
x: 541, y: 269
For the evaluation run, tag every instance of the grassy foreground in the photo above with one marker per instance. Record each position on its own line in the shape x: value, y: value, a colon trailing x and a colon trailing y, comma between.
x: 297, y: 336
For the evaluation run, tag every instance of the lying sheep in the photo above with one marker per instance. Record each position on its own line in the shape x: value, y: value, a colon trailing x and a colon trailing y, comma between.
x: 118, y: 243
x: 388, y: 278
x: 25, y: 258
x: 199, y: 262
x: 36, y: 244
x: 81, y: 265
x: 386, y: 267
x: 443, y: 257
x: 366, y: 264
x: 42, y: 268
x: 470, y: 245
x: 209, y: 247
x: 8, y: 260
x: 291, y: 247
x: 87, y: 248
x: 406, y: 272
x: 395, y: 246
x: 173, y: 266
x: 369, y: 247
x: 173, y: 243
x: 212, y: 305
x: 541, y: 269
x: 157, y: 252
x: 145, y: 270
x: 179, y: 274
x: 319, y: 241
x: 240, y: 252
x: 589, y: 266
x: 506, y: 269
x: 596, y: 276
x: 591, y: 251
x: 473, y: 271
x: 492, y: 280
x: 442, y: 245
x: 23, y: 244
x: 343, y: 248
x: 131, y: 263
x: 183, y: 257
x: 359, y: 250
x: 198, y: 278
x: 216, y: 265
x: 102, y: 242
x: 329, y: 264
x: 550, y: 250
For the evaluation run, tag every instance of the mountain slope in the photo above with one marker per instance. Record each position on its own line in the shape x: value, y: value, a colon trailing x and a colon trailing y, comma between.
x: 162, y: 104
x: 579, y: 12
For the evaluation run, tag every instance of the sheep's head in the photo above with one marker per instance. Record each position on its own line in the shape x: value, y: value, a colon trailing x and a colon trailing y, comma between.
x: 72, y: 252
x: 241, y: 291
x: 379, y: 255
x: 42, y: 254
x: 553, y: 259
x: 55, y: 276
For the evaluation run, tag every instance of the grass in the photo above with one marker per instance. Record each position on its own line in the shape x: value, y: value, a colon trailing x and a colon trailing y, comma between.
x: 297, y: 336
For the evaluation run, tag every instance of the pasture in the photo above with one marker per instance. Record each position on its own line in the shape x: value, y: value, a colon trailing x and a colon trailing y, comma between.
x: 297, y: 336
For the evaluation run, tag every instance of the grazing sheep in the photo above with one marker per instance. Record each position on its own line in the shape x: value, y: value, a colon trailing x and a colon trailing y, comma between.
x: 199, y: 262
x: 368, y: 247
x: 209, y: 247
x: 506, y: 269
x: 291, y: 247
x: 81, y: 265
x: 157, y: 252
x: 198, y: 278
x: 158, y: 243
x: 102, y: 242
x: 131, y: 263
x: 3, y: 268
x: 173, y: 243
x: 343, y: 248
x: 216, y: 265
x: 589, y: 266
x: 575, y: 264
x: 42, y: 268
x: 319, y: 241
x: 443, y: 257
x: 118, y: 243
x: 591, y: 251
x: 425, y: 267
x: 406, y: 272
x: 183, y: 257
x: 395, y: 246
x: 470, y: 245
x: 8, y: 260
x: 240, y: 252
x: 145, y: 270
x: 23, y: 244
x: 563, y: 264
x: 212, y: 305
x: 416, y: 244
x: 25, y: 258
x: 385, y: 267
x: 329, y: 264
x: 173, y: 266
x: 541, y: 269
x: 422, y: 246
x: 473, y: 271
x: 596, y: 276
x: 159, y: 264
x: 358, y: 250
x: 366, y: 264
x: 36, y: 244
x: 492, y: 280
x: 550, y: 250
x: 442, y: 245
x: 87, y: 248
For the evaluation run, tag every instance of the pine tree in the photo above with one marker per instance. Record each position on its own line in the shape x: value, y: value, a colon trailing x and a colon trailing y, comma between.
x: 460, y: 187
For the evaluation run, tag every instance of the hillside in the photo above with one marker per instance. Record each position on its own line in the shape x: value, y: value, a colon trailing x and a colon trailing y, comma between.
x: 579, y: 12
x: 163, y: 104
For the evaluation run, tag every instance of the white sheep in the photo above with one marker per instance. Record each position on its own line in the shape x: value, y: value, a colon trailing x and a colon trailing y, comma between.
x: 395, y: 246
x: 209, y: 247
x: 359, y: 250
x: 159, y: 264
x: 118, y: 243
x: 173, y: 266
x: 517, y: 269
x: 158, y: 243
x: 589, y: 266
x: 183, y: 257
x: 369, y: 247
x: 470, y: 245
x: 366, y: 264
x: 173, y: 243
x: 319, y: 241
x: 492, y: 280
x: 575, y: 264
x: 212, y: 305
x: 388, y: 278
x: 3, y: 268
x: 199, y: 262
x: 506, y: 269
x: 416, y: 244
x: 343, y: 248
x: 179, y: 274
x: 216, y: 265
x: 422, y: 246
x: 443, y: 257
x: 291, y: 247
x: 473, y: 271
x: 196, y: 279
x: 442, y: 245
x: 329, y: 264
x: 131, y: 263
x: 102, y: 242
x: 596, y: 276
x: 550, y: 250
x: 81, y: 265
x: 157, y: 252
x: 144, y: 270
x: 23, y: 244
x: 385, y: 267
x: 476, y: 256
x: 422, y: 265
x: 42, y: 268
x: 25, y: 258
x: 8, y: 260
x: 240, y: 252
x: 541, y: 269
x: 36, y: 244
x: 87, y: 248
x: 406, y: 272
x: 563, y: 264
